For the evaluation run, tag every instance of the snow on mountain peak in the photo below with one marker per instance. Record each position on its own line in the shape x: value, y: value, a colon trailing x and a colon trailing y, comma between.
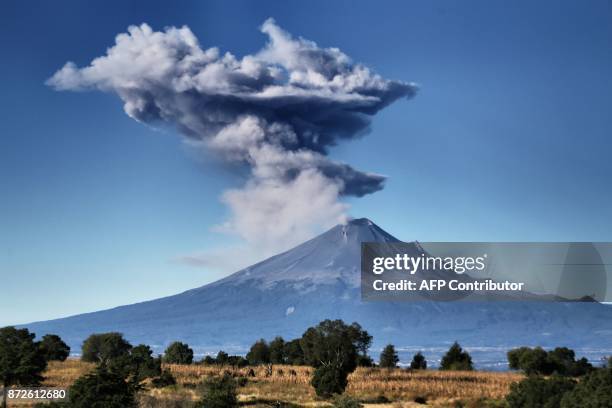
x: 325, y: 259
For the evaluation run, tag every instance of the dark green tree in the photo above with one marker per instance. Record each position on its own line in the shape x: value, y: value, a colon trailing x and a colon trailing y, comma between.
x: 54, y: 348
x: 259, y: 353
x: 456, y: 359
x: 277, y: 351
x: 418, y: 362
x: 219, y: 393
x: 209, y: 360
x: 142, y: 364
x: 178, y: 353
x: 328, y: 381
x: 538, y: 392
x: 388, y: 357
x: 222, y: 358
x: 535, y: 361
x: 293, y: 352
x: 330, y: 347
x: 237, y: 361
x: 514, y: 357
x: 361, y: 338
x: 593, y: 390
x: 21, y: 360
x: 102, y: 389
x: 561, y: 361
x: 103, y: 347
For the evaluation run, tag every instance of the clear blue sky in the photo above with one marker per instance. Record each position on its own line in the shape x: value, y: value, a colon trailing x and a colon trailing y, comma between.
x: 509, y: 138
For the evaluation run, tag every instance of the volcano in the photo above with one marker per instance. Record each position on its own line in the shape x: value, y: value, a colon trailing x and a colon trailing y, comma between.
x: 320, y: 279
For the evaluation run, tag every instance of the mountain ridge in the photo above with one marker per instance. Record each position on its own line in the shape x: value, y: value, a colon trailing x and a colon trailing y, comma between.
x: 320, y: 279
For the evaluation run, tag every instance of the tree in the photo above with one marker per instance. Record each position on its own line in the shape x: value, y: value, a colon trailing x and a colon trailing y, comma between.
x: 456, y: 359
x: 594, y: 390
x: 535, y: 361
x: 418, y: 362
x: 100, y: 348
x: 209, y: 360
x: 142, y: 364
x: 331, y: 348
x: 222, y: 357
x: 388, y: 357
x: 219, y: 393
x: 237, y: 361
x: 178, y: 353
x: 102, y: 389
x: 277, y: 351
x: 514, y: 357
x: 538, y: 392
x: 561, y: 361
x: 21, y: 360
x: 54, y: 348
x: 361, y: 338
x: 293, y: 353
x: 259, y: 353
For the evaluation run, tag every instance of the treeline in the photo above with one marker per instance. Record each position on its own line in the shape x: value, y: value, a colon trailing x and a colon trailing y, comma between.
x: 551, y: 380
x: 333, y: 348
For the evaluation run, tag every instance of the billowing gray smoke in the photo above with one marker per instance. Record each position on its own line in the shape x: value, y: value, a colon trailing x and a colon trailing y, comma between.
x: 278, y: 111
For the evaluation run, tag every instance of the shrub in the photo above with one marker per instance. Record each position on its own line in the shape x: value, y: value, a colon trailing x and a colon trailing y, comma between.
x: 99, y: 348
x: 344, y: 401
x: 329, y: 380
x: 456, y: 359
x: 54, y: 348
x: 178, y: 353
x: 166, y: 379
x: 388, y: 357
x: 219, y: 393
x: 102, y: 389
x: 418, y: 362
x: 594, y: 390
x: 538, y: 392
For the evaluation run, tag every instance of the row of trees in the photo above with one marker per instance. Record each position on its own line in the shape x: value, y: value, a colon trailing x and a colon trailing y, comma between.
x: 594, y: 389
x: 333, y: 348
x: 561, y: 361
x: 551, y: 380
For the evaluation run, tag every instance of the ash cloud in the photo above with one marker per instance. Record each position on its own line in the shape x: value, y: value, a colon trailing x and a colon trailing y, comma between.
x: 278, y: 111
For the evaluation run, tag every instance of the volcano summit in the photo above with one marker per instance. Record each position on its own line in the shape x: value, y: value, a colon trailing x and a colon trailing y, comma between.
x: 320, y: 279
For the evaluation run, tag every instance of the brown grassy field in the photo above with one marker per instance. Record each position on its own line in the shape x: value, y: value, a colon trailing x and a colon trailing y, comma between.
x: 289, y: 384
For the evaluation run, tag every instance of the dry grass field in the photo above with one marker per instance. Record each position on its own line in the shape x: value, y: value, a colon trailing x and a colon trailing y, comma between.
x: 289, y: 385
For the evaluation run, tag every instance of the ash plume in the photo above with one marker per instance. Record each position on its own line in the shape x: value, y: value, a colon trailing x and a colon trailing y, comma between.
x: 277, y: 111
